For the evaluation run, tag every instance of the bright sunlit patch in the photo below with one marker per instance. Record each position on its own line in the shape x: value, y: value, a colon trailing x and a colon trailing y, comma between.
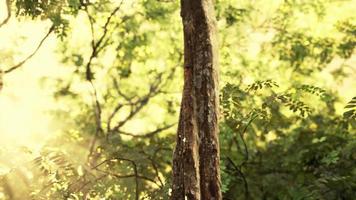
x: 23, y: 103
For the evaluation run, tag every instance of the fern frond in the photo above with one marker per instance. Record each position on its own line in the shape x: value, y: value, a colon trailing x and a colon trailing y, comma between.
x: 351, y: 109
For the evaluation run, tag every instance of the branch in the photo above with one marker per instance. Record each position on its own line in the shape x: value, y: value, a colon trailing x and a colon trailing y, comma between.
x: 241, y: 134
x: 91, y: 181
x: 130, y: 176
x: 89, y: 74
x: 133, y: 112
x: 108, y: 22
x: 135, y: 108
x: 149, y: 134
x: 238, y: 170
x: 98, y: 121
x: 91, y: 22
x: 117, y: 88
x: 136, y: 175
x: 118, y: 106
x: 96, y: 45
x: 121, y: 176
x: 154, y: 165
x: 32, y: 54
x: 8, y: 8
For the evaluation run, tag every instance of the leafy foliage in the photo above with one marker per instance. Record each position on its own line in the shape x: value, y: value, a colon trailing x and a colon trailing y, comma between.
x: 283, y: 134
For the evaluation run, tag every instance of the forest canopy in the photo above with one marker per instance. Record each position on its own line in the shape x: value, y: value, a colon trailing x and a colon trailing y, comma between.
x: 91, y: 92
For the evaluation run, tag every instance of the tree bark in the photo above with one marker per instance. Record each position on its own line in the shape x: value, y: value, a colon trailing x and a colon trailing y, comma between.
x: 196, y: 173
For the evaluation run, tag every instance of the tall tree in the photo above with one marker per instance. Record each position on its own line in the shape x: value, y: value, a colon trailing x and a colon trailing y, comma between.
x: 196, y: 158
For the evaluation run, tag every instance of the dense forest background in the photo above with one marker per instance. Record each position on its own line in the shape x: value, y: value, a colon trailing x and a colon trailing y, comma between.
x: 91, y: 93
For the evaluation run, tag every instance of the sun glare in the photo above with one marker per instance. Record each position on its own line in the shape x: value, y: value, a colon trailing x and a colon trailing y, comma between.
x: 23, y: 103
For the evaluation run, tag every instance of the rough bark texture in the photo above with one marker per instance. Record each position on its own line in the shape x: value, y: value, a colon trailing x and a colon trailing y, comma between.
x: 196, y: 158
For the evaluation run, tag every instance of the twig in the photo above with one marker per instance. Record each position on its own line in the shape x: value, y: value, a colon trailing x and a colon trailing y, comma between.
x: 91, y: 22
x: 130, y: 176
x: 136, y: 175
x: 149, y: 134
x: 238, y: 170
x: 91, y: 181
x: 8, y: 8
x: 241, y: 134
x: 136, y: 106
x: 32, y: 54
x: 156, y: 170
x: 139, y: 104
x: 97, y: 110
x: 154, y: 165
x: 117, y: 88
x: 134, y: 110
x: 89, y: 75
x: 96, y: 45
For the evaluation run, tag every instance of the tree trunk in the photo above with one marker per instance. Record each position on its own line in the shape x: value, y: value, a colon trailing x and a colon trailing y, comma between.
x: 196, y: 157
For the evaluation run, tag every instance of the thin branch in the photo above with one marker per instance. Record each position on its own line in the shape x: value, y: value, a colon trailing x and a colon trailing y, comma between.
x: 136, y: 175
x: 32, y: 54
x: 91, y: 22
x: 89, y: 75
x: 116, y: 110
x: 138, y: 105
x: 117, y: 88
x: 154, y: 165
x: 97, y: 106
x: 130, y: 176
x: 136, y: 179
x: 91, y: 181
x: 97, y: 111
x: 137, y: 192
x: 139, y: 177
x: 96, y: 45
x: 134, y: 110
x: 241, y: 134
x: 118, y: 106
x: 238, y: 170
x: 108, y: 20
x: 149, y: 134
x: 8, y: 8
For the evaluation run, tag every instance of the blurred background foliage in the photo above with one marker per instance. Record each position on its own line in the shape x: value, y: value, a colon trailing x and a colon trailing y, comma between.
x: 287, y: 100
